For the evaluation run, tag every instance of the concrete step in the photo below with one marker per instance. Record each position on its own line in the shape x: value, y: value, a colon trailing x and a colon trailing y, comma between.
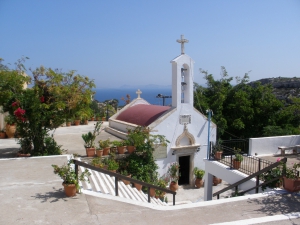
x: 105, y: 184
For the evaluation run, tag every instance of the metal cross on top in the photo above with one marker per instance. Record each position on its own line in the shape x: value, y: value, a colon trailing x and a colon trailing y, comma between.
x: 182, y: 41
x: 138, y: 92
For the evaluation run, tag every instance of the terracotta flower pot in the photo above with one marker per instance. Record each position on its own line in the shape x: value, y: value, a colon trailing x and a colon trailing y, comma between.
x: 121, y: 150
x: 76, y: 122
x: 2, y: 135
x: 23, y: 155
x: 10, y: 130
x: 126, y: 182
x: 216, y: 181
x: 99, y: 153
x: 138, y: 186
x: 130, y: 149
x: 68, y: 124
x: 152, y: 192
x: 173, y: 186
x: 236, y: 164
x: 90, y: 152
x: 218, y: 155
x: 106, y: 151
x: 198, y: 183
x: 291, y: 185
x: 70, y: 189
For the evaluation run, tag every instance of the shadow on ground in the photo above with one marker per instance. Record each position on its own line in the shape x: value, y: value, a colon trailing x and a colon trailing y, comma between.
x: 52, y: 196
x: 8, y: 152
x: 278, y: 204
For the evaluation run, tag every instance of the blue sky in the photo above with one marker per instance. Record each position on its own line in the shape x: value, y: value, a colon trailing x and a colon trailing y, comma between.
x: 131, y: 42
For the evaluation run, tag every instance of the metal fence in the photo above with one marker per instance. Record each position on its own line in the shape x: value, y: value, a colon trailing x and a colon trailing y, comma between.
x: 242, y: 144
x: 249, y: 164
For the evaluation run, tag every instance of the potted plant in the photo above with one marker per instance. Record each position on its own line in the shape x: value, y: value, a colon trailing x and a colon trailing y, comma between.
x: 105, y: 145
x: 125, y: 173
x: 238, y: 159
x: 68, y: 122
x: 161, y: 182
x: 218, y: 152
x: 216, y: 180
x: 85, y: 114
x: 137, y: 137
x: 2, y: 134
x: 77, y: 119
x: 136, y: 185
x: 270, y: 175
x: 97, y: 162
x: 199, y: 177
x: 70, y: 180
x: 291, y: 180
x: 99, y: 152
x: 10, y: 128
x: 129, y: 146
x: 89, y: 140
x: 119, y: 145
x: 173, y: 172
x: 112, y: 164
x: 98, y: 117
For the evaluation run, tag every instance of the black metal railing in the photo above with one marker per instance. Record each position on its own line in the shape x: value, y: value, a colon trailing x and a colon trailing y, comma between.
x: 257, y: 175
x: 119, y: 176
x: 249, y: 165
x: 242, y: 144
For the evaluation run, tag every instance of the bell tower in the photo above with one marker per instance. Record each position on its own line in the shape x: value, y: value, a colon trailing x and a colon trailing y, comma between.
x: 182, y: 78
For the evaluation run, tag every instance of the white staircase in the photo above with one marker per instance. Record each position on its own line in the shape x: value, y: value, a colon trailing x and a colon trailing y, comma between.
x: 105, y: 184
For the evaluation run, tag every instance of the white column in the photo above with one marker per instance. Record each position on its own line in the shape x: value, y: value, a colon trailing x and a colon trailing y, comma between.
x: 208, y: 187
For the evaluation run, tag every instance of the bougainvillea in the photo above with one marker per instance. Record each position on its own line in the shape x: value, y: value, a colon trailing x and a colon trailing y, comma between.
x: 19, y: 113
x: 43, y: 106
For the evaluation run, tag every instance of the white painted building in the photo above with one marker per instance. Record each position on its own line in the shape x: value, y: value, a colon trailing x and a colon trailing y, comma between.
x: 183, y: 125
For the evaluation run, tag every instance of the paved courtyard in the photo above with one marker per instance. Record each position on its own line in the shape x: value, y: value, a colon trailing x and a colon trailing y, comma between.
x: 32, y: 194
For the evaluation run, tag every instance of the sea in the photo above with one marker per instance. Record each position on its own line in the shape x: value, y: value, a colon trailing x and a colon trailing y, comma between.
x: 148, y: 94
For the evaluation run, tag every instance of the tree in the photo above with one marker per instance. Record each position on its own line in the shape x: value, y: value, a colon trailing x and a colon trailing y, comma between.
x: 240, y: 111
x: 213, y: 97
x: 11, y: 81
x: 53, y: 97
x: 249, y: 109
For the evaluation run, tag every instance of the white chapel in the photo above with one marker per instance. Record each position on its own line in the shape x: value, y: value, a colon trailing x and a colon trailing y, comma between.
x: 183, y: 125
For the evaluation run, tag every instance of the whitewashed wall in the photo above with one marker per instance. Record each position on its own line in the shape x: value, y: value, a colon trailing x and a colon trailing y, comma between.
x: 171, y: 128
x: 269, y: 145
x: 2, y: 116
x: 230, y: 176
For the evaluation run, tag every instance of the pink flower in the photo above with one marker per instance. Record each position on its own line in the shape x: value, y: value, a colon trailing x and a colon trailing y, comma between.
x: 278, y: 159
x: 19, y: 113
x: 14, y: 104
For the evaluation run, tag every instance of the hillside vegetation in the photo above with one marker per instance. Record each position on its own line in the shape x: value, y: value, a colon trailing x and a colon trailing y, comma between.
x: 267, y: 107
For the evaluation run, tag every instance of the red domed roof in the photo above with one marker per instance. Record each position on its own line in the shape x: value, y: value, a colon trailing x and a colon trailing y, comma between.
x: 142, y: 114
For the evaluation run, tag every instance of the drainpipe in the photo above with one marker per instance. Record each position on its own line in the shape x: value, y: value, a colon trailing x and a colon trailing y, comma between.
x: 209, y: 111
